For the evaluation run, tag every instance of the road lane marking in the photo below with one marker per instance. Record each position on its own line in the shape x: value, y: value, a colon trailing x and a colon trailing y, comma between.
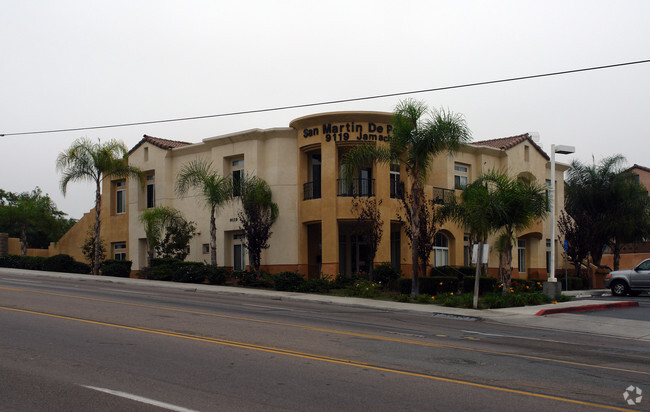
x: 339, y: 332
x: 141, y: 399
x: 344, y: 362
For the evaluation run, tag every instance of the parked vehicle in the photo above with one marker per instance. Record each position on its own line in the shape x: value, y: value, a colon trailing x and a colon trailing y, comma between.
x: 629, y: 281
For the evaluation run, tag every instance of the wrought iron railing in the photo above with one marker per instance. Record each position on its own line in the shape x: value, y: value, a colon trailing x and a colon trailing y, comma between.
x: 311, y: 190
x: 357, y: 187
x: 441, y: 195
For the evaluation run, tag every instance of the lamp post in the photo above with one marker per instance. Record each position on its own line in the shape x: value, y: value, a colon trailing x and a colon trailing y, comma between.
x: 559, y: 149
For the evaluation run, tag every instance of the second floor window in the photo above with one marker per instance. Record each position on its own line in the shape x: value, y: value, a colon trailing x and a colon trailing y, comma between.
x: 237, y: 176
x: 394, y: 181
x: 151, y: 191
x: 461, y: 173
x: 120, y: 197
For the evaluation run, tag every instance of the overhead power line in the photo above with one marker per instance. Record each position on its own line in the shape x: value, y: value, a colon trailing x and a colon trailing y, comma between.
x: 354, y: 99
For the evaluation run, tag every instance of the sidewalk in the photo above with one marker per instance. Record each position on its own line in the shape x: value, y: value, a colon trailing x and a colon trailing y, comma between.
x: 559, y: 316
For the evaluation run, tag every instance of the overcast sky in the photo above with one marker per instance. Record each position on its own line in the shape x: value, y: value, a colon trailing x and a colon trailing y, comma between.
x: 66, y: 64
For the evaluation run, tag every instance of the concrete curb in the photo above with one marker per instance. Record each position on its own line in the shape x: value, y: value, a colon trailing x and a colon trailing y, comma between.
x: 585, y: 308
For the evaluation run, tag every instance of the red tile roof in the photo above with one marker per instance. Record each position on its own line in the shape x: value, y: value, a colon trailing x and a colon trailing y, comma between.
x: 506, y: 143
x: 158, y: 142
x: 636, y: 166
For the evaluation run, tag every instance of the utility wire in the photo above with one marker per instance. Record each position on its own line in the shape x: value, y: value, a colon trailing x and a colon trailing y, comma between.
x: 355, y: 99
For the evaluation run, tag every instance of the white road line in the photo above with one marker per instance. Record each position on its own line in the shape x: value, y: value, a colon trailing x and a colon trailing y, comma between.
x: 142, y: 399
x: 516, y: 337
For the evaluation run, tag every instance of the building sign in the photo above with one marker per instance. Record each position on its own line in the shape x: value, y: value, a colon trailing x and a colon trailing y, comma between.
x: 351, y: 131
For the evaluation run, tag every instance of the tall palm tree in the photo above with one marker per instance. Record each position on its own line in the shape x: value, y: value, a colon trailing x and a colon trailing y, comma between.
x: 258, y: 213
x: 87, y: 160
x: 418, y: 136
x: 215, y: 191
x: 155, y: 221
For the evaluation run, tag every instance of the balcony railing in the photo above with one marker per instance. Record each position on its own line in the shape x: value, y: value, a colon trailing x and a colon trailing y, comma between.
x: 358, y: 187
x: 441, y: 196
x: 311, y: 190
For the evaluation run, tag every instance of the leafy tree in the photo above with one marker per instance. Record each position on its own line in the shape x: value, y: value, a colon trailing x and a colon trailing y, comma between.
x: 418, y: 136
x: 178, y: 234
x: 369, y: 225
x: 155, y: 222
x: 88, y: 248
x: 258, y: 214
x: 33, y: 217
x: 617, y: 205
x: 91, y: 161
x: 215, y: 191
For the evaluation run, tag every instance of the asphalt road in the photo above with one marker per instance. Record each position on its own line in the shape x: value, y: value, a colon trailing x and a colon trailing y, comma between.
x: 642, y: 312
x: 83, y: 345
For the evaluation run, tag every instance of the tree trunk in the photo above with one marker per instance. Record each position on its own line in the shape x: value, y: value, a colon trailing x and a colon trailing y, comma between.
x: 507, y: 267
x: 616, y: 248
x: 415, y: 230
x: 23, y: 240
x: 98, y: 204
x: 213, y: 239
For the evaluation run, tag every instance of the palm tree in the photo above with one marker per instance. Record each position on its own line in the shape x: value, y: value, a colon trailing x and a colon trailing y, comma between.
x: 258, y: 213
x: 473, y: 211
x: 95, y: 161
x: 155, y: 221
x: 214, y: 189
x: 418, y: 136
x: 514, y: 205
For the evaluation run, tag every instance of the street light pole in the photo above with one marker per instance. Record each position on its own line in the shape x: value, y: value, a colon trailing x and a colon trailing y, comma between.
x: 560, y: 149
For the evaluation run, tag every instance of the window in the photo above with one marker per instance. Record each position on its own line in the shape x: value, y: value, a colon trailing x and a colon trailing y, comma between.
x: 440, y: 250
x: 151, y: 191
x: 237, y: 176
x: 312, y: 188
x: 395, y: 248
x: 548, y: 191
x: 521, y: 255
x: 206, y: 248
x: 467, y: 252
x: 394, y: 181
x: 238, y: 252
x: 120, y: 197
x: 119, y: 251
x: 461, y: 173
x: 527, y: 153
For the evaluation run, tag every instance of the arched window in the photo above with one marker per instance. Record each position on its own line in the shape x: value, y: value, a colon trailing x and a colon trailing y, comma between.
x: 440, y: 250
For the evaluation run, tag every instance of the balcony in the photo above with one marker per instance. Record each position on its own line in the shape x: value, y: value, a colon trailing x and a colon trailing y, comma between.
x: 358, y: 187
x: 311, y: 190
x: 442, y: 196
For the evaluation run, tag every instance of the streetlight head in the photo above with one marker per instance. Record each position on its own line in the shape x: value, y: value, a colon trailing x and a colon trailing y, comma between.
x: 562, y: 149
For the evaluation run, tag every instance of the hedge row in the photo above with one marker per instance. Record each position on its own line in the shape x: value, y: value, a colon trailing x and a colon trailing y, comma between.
x: 56, y: 263
x: 175, y: 270
x: 435, y: 285
x: 284, y: 281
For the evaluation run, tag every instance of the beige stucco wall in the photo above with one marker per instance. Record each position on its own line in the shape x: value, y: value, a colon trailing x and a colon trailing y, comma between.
x: 269, y: 154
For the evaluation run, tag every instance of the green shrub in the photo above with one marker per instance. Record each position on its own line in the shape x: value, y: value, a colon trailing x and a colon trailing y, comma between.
x: 485, y: 284
x: 216, y: 275
x: 498, y: 300
x: 464, y: 300
x: 386, y: 275
x: 316, y: 286
x: 424, y: 298
x: 363, y: 288
x: 189, y: 272
x: 404, y: 286
x: 526, y: 285
x: 252, y: 279
x: 436, y: 285
x: 403, y: 298
x: 117, y: 268
x: 288, y: 281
